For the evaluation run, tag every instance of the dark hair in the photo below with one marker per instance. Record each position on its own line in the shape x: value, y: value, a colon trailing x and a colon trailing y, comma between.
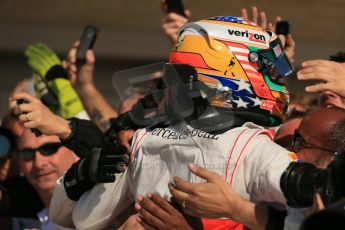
x: 338, y: 57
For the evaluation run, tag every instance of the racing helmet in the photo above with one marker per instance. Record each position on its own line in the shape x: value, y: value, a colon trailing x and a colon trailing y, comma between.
x: 241, y: 60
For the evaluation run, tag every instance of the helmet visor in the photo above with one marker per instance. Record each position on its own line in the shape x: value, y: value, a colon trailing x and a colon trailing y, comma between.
x: 273, y: 61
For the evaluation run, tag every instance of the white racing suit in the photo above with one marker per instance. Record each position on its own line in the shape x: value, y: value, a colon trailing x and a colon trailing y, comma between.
x: 245, y: 157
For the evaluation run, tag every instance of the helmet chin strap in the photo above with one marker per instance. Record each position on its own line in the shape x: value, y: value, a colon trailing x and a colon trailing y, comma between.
x: 211, y: 119
x: 214, y: 121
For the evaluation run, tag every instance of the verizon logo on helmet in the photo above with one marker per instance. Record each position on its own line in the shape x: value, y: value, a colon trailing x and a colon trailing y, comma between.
x: 251, y: 36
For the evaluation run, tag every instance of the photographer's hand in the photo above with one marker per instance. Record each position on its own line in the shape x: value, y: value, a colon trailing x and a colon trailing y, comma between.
x: 34, y: 115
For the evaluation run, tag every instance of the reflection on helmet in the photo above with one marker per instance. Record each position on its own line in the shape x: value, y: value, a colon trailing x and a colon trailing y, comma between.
x: 239, y: 58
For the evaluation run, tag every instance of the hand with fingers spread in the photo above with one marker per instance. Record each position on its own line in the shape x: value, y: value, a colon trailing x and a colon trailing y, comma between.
x: 210, y: 199
x: 34, y: 115
x: 156, y: 212
x: 260, y: 19
x: 216, y: 199
x: 330, y: 74
x: 172, y: 22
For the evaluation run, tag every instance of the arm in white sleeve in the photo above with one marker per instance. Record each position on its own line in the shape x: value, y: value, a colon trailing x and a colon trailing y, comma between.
x: 263, y: 166
x: 100, y: 206
x: 61, y: 207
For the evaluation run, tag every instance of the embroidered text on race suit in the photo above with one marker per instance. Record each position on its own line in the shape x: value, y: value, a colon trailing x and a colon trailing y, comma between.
x: 184, y: 134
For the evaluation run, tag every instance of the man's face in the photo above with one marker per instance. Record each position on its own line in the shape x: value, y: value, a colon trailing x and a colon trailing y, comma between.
x: 43, y: 171
x: 329, y: 99
x: 284, y: 134
x: 311, y: 149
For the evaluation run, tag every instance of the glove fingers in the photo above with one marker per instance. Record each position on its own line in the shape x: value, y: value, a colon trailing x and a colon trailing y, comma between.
x: 53, y: 58
x: 41, y: 58
x: 34, y: 52
x: 37, y: 66
x: 45, y: 54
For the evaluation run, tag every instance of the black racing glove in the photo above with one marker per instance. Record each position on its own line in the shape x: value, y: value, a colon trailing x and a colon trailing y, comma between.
x: 84, y: 137
x: 99, y: 166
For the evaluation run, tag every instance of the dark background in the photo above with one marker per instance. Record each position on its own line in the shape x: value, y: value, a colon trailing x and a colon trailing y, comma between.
x: 131, y: 32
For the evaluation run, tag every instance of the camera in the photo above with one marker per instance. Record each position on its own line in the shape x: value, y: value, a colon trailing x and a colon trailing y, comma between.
x: 301, y: 181
x: 7, y: 143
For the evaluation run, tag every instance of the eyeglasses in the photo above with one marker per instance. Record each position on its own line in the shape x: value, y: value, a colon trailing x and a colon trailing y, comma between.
x: 298, y: 142
x: 48, y: 149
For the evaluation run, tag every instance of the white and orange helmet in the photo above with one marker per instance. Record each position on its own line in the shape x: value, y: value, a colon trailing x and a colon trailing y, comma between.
x: 235, y: 55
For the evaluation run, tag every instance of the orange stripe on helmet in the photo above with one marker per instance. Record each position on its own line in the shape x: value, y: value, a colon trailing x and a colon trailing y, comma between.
x: 192, y: 59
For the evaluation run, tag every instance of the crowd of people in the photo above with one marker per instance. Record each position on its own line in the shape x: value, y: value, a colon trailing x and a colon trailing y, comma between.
x: 211, y: 139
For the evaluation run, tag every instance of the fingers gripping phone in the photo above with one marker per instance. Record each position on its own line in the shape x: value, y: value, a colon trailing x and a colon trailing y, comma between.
x: 283, y: 27
x: 87, y: 41
x: 175, y: 6
x: 35, y: 131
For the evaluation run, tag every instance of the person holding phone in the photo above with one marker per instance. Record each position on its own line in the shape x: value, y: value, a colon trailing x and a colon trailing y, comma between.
x: 260, y: 18
x: 81, y: 78
x: 173, y: 21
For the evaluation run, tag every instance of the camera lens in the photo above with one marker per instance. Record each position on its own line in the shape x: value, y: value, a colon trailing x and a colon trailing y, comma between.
x: 299, y: 183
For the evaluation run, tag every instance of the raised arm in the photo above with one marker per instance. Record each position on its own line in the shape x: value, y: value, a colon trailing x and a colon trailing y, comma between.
x: 260, y: 18
x: 81, y: 77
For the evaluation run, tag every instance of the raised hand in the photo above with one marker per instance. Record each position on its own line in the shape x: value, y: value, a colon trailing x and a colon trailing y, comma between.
x: 258, y: 18
x: 34, y: 115
x: 331, y: 76
x: 172, y: 22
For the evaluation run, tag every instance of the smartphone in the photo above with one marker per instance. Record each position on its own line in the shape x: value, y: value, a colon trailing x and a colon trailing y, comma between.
x: 175, y: 6
x: 87, y: 41
x: 283, y: 27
